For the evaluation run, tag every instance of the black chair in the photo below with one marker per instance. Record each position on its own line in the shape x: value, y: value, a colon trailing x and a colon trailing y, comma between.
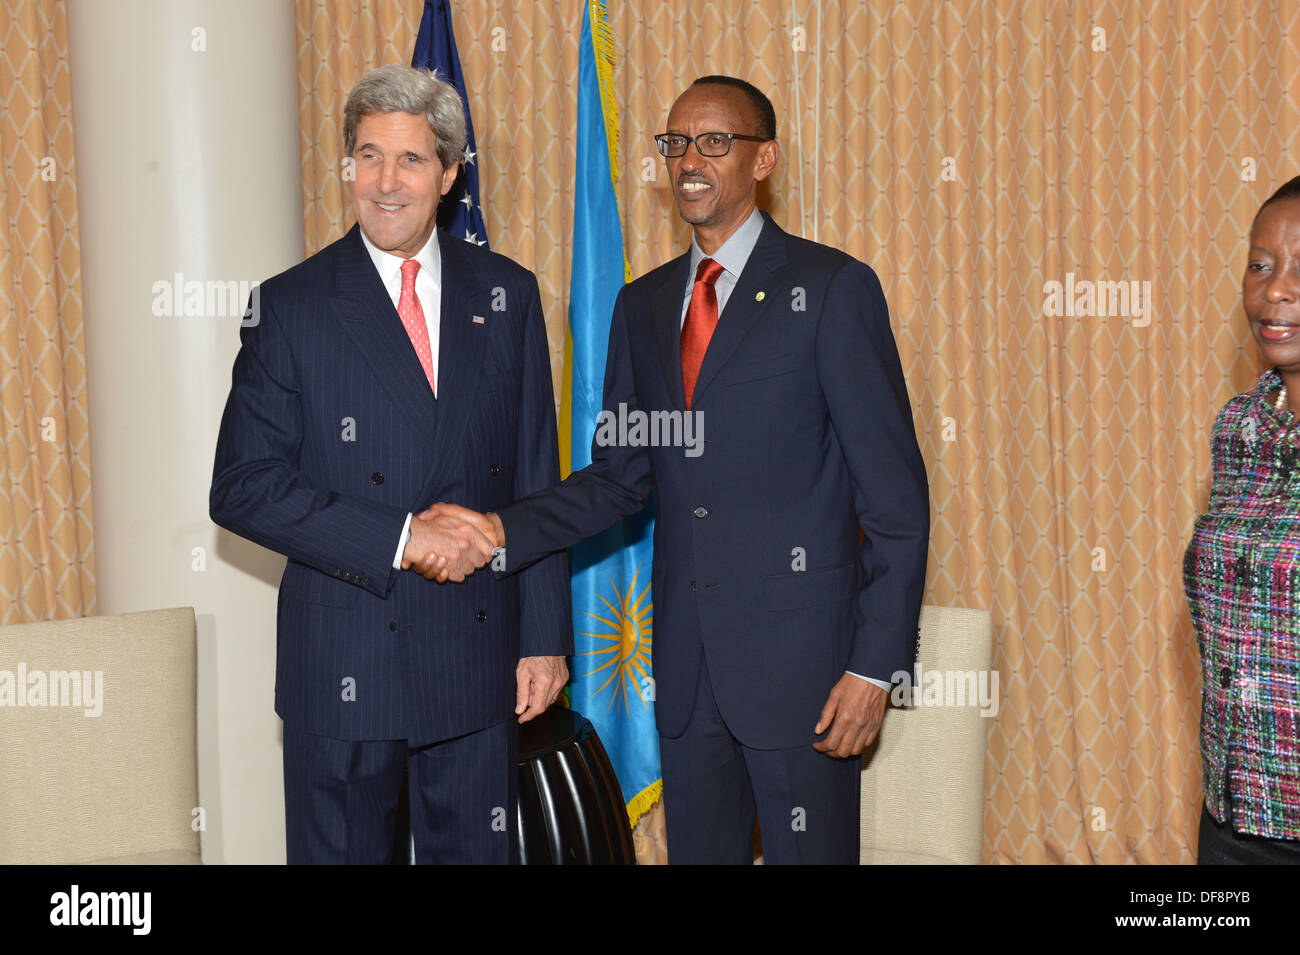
x: 571, y: 809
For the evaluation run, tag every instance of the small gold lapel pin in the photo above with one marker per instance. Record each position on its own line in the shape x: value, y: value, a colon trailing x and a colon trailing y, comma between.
x: 760, y: 296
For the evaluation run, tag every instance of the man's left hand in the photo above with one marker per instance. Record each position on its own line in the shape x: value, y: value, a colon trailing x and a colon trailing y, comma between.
x: 853, y: 711
x: 540, y: 680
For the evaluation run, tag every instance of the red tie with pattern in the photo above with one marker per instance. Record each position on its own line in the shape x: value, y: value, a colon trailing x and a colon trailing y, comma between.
x: 701, y: 319
x: 412, y: 315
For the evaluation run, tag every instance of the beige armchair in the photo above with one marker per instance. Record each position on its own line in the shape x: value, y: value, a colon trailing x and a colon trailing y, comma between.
x: 923, y: 780
x: 99, y: 762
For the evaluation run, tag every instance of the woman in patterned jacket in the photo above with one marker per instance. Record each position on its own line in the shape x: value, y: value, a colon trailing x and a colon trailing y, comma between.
x: 1242, y: 573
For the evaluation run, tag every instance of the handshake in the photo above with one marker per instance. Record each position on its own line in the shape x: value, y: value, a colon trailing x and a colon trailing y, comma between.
x: 450, y: 542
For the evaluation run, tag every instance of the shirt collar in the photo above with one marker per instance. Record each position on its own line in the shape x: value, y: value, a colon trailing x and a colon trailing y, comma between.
x: 389, y: 266
x: 1269, y: 381
x: 734, y: 253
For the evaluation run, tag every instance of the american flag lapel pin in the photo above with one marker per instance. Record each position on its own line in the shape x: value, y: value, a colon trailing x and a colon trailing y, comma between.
x: 479, y: 320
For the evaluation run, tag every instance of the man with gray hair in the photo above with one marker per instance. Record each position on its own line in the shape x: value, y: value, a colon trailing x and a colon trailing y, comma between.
x: 394, y: 368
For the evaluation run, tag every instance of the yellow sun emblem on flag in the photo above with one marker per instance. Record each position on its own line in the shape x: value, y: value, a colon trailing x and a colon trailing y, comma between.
x: 626, y: 639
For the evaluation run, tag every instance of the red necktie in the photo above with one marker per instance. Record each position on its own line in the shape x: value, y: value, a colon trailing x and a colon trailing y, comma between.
x: 701, y: 319
x: 412, y: 315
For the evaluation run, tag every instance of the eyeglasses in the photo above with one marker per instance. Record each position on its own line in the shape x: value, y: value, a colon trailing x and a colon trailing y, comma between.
x: 710, y: 145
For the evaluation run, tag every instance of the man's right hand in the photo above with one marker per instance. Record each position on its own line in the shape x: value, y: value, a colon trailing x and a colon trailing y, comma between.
x: 487, y: 525
x: 445, y: 548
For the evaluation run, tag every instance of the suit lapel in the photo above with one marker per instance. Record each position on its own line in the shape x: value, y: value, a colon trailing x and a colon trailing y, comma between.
x: 668, y: 328
x: 743, y: 310
x: 362, y: 307
x: 461, y: 343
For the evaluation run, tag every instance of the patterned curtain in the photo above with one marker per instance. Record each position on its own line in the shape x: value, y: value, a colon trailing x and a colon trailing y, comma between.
x: 47, y: 568
x: 989, y: 161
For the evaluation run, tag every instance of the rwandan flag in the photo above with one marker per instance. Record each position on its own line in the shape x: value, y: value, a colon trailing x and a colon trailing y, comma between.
x: 435, y: 49
x: 612, y: 615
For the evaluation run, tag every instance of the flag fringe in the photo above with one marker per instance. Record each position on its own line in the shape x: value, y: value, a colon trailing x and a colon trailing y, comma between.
x: 644, y: 801
x: 602, y: 42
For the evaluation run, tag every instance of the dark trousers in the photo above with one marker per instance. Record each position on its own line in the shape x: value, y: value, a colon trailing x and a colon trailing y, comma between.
x: 806, y: 803
x: 1219, y: 844
x: 341, y: 796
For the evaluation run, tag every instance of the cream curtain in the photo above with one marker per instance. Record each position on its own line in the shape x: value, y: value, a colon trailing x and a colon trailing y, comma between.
x: 47, y: 568
x: 972, y: 153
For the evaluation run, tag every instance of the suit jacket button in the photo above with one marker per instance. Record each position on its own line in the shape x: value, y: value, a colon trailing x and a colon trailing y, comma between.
x: 701, y: 512
x: 1225, y: 676
x: 495, y: 470
x: 481, y: 616
x: 377, y: 478
x: 692, y: 586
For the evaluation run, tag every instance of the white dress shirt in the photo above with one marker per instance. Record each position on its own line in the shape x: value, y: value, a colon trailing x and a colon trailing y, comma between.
x: 428, y: 289
x: 732, y: 256
x: 428, y: 286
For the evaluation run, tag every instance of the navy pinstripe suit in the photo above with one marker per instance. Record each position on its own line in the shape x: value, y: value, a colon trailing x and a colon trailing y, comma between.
x: 331, y: 436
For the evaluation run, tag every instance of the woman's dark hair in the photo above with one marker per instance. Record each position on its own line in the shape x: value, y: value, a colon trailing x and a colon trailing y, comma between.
x: 1288, y: 190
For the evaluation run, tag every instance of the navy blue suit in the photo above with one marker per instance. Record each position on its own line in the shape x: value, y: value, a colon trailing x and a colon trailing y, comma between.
x: 331, y: 436
x: 763, y: 594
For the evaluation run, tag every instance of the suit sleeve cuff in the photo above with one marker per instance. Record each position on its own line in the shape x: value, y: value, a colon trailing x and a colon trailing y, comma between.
x: 402, y: 542
x: 880, y: 683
